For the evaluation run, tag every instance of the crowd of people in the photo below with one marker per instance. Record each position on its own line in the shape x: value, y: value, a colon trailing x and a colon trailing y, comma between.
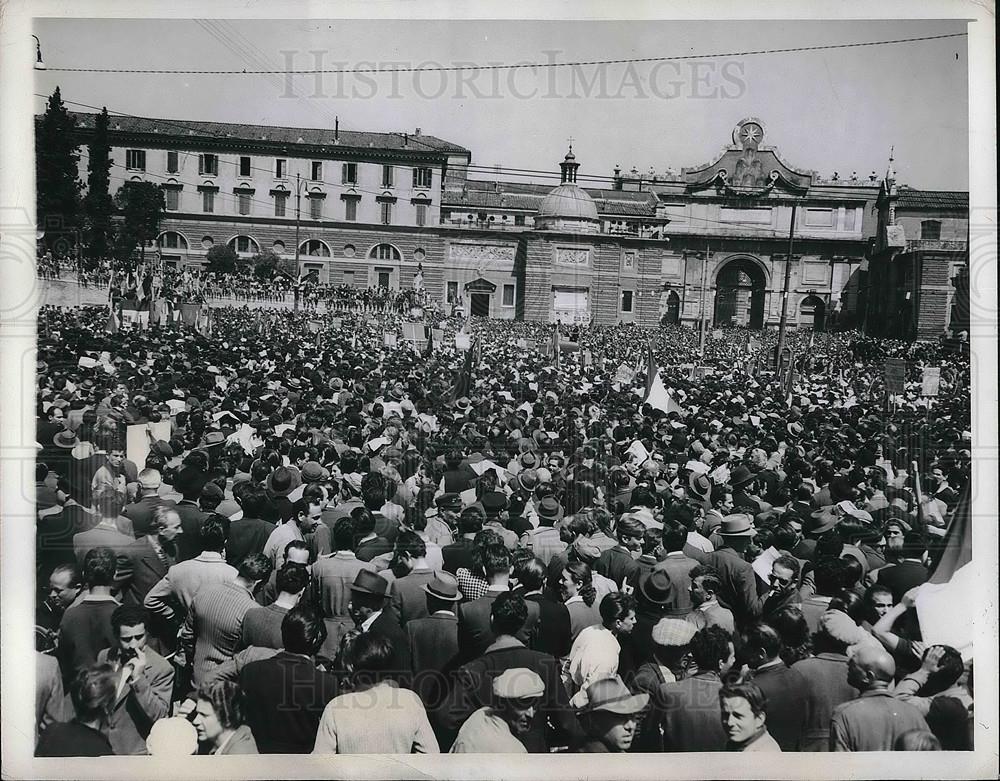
x: 333, y: 542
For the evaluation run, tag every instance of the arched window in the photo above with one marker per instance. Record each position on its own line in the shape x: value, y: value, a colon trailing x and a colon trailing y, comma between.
x: 244, y: 245
x: 278, y: 247
x: 384, y: 252
x: 172, y: 240
x: 314, y: 247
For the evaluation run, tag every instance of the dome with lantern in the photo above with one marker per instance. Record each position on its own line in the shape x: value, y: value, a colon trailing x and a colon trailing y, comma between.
x: 568, y: 207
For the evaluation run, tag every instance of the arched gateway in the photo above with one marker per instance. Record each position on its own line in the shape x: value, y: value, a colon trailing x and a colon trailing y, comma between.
x: 740, y: 286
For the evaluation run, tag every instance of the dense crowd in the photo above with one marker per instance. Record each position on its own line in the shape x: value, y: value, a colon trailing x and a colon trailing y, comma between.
x: 325, y: 548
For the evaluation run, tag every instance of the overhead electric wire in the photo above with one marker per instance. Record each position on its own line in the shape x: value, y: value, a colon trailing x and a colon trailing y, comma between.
x: 512, y: 66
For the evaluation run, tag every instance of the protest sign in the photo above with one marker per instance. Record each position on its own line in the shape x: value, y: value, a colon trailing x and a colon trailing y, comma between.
x: 137, y: 439
x: 438, y: 335
x: 463, y: 341
x: 389, y: 339
x: 895, y: 375
x: 931, y: 382
x: 413, y: 332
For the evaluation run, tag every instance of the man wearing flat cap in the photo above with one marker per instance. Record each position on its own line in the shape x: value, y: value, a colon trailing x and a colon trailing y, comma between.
x: 496, y: 728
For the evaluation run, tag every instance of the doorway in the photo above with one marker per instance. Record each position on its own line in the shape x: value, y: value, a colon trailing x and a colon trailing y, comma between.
x: 739, y: 294
x: 812, y: 313
x: 480, y: 304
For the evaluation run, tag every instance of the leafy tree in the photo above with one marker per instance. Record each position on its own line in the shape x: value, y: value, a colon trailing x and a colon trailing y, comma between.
x: 265, y: 264
x: 97, y: 204
x: 57, y: 171
x: 221, y: 259
x: 142, y: 207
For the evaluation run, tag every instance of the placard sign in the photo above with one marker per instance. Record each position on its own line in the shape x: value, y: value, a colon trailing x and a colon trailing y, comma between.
x: 931, y: 382
x: 389, y: 339
x: 414, y: 331
x: 895, y: 375
x: 463, y: 341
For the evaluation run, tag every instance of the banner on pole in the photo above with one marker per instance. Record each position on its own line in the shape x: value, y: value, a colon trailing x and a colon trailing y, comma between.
x: 895, y: 375
x: 931, y: 382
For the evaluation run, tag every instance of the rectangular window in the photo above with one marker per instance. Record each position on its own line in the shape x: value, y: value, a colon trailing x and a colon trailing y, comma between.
x: 242, y: 243
x: 819, y: 218
x: 208, y: 201
x: 208, y: 165
x: 627, y: 296
x: 758, y: 215
x: 508, y: 295
x: 421, y: 214
x: 387, y: 176
x: 243, y: 202
x: 349, y: 173
x: 452, y: 292
x: 316, y: 208
x: 628, y: 262
x: 519, y: 219
x: 135, y: 159
x: 170, y: 240
x: 172, y: 163
x: 245, y: 166
x: 387, y: 214
x: 351, y: 210
x: 279, y: 205
x: 316, y: 171
x: 349, y: 278
x: 930, y: 229
x: 171, y: 196
x: 280, y: 168
x: 422, y: 177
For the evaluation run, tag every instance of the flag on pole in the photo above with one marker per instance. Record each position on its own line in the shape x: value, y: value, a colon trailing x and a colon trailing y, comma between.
x: 112, y: 323
x: 429, y: 349
x: 463, y: 383
x: 790, y: 380
x: 657, y: 396
x: 555, y: 348
x: 946, y: 602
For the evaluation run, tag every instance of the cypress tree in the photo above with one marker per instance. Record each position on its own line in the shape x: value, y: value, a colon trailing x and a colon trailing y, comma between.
x: 97, y: 203
x: 57, y: 174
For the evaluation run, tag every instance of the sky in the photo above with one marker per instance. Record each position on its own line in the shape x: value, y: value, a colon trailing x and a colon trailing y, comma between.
x: 830, y: 110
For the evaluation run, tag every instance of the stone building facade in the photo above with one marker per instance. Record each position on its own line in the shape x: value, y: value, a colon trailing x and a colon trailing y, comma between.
x: 710, y: 242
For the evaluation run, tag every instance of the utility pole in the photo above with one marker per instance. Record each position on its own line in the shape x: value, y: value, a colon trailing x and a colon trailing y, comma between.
x: 784, y: 289
x: 298, y: 216
x: 704, y: 307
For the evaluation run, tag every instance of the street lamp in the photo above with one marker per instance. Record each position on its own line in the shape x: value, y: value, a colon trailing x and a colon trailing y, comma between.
x: 39, y: 64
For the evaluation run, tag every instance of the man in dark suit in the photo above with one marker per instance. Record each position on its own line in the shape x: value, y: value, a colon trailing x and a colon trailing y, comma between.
x: 151, y: 557
x: 250, y: 533
x: 685, y: 715
x: 908, y: 571
x: 737, y: 577
x: 140, y: 512
x: 783, y: 687
x: 475, y: 631
x: 553, y: 635
x: 369, y: 592
x: 676, y: 564
x: 472, y: 687
x: 459, y: 553
x: 618, y: 563
x: 409, y: 600
x: 189, y: 482
x: 286, y: 694
x: 433, y: 640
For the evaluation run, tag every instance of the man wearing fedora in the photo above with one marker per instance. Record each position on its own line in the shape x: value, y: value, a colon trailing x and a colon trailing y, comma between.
x: 189, y: 482
x: 610, y: 716
x: 544, y: 540
x: 141, y: 511
x: 369, y: 593
x: 433, y: 639
x: 739, y: 581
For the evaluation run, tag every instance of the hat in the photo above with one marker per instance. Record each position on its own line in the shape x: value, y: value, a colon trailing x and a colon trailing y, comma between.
x: 795, y: 429
x: 737, y: 525
x: 841, y: 627
x: 518, y: 683
x: 65, y: 439
x: 740, y: 476
x: 214, y: 438
x: 494, y: 502
x: 313, y: 472
x: 449, y: 502
x: 368, y: 582
x: 444, y: 586
x: 527, y: 479
x: 586, y: 550
x: 673, y: 631
x: 656, y: 587
x: 696, y: 467
x: 162, y: 448
x: 282, y: 481
x: 463, y: 403
x: 528, y: 460
x: 549, y: 509
x: 172, y: 737
x: 825, y: 519
x: 700, y: 485
x: 613, y: 696
x: 849, y: 508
